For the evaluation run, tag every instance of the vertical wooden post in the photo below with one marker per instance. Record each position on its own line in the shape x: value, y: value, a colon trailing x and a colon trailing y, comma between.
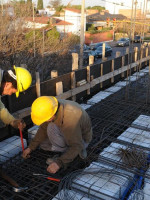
x: 123, y: 63
x: 38, y: 90
x: 146, y: 55
x: 127, y: 50
x: 135, y: 56
x: 59, y: 88
x: 73, y: 84
x: 103, y: 51
x: 112, y: 69
x: 149, y: 67
x: 88, y: 78
x: 75, y: 61
x: 101, y: 84
x: 91, y: 60
x: 54, y: 74
x: 118, y: 53
x: 141, y: 56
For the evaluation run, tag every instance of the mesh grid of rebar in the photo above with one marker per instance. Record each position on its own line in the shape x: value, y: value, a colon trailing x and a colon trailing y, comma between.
x: 110, y: 118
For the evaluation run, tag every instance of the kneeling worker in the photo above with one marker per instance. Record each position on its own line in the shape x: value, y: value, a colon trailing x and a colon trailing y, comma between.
x: 13, y: 81
x: 64, y: 127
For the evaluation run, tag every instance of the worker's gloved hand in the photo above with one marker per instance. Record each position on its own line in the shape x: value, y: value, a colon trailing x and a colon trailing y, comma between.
x: 26, y: 153
x: 53, y: 168
x: 18, y: 123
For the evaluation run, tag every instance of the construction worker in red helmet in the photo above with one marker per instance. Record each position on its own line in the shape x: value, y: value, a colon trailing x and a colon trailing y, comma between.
x: 12, y: 81
x: 64, y: 128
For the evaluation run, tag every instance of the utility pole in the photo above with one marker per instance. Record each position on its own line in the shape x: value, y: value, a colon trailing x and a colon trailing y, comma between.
x: 131, y: 22
x: 33, y: 31
x: 82, y: 33
x: 144, y: 12
x: 134, y: 16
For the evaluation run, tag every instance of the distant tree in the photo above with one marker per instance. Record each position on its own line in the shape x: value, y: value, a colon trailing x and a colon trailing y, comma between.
x: 75, y: 6
x: 29, y: 1
x: 55, y: 3
x: 53, y: 34
x: 99, y: 8
x: 40, y: 4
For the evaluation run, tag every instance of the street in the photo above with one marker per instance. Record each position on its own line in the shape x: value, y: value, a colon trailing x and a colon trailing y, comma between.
x: 115, y: 49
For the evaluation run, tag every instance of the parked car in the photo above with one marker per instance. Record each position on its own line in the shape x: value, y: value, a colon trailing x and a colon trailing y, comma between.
x: 94, y: 46
x: 123, y: 42
x: 99, y: 51
x: 86, y: 55
x: 137, y: 38
x: 76, y: 48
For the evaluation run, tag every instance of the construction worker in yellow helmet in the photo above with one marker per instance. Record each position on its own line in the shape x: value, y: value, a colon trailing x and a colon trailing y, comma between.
x: 12, y: 81
x: 64, y: 128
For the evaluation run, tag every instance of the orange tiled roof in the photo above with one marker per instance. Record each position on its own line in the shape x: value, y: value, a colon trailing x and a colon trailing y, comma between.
x: 41, y: 20
x: 45, y: 20
x: 61, y: 22
x: 73, y: 10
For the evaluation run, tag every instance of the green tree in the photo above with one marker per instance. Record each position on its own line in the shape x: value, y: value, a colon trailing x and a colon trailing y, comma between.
x: 40, y: 4
x: 55, y: 3
x: 99, y: 8
x: 29, y: 1
x: 78, y: 7
x: 53, y: 34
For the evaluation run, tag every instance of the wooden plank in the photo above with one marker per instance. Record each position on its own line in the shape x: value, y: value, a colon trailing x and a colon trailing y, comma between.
x: 54, y: 74
x: 38, y: 89
x: 101, y: 85
x: 135, y: 56
x: 100, y: 80
x: 103, y: 51
x: 123, y: 61
x: 73, y: 84
x: 88, y: 77
x: 118, y: 53
x: 91, y: 60
x: 27, y: 111
x: 59, y: 88
x: 146, y: 55
x: 149, y: 67
x: 75, y: 61
x: 112, y: 69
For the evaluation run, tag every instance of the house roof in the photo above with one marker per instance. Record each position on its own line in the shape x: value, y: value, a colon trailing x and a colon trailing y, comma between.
x: 41, y: 20
x: 46, y: 20
x: 104, y: 16
x: 73, y: 10
x: 61, y: 22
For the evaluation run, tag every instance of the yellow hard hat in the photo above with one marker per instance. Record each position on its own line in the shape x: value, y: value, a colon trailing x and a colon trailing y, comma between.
x: 43, y: 108
x: 24, y: 79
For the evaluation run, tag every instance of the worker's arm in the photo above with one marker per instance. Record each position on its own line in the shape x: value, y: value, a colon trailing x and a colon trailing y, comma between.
x: 39, y: 137
x: 5, y: 116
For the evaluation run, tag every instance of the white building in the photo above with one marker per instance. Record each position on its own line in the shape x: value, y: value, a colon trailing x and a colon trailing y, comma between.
x: 73, y: 16
x: 69, y: 23
x: 47, y: 11
x: 115, y: 6
x: 41, y: 22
